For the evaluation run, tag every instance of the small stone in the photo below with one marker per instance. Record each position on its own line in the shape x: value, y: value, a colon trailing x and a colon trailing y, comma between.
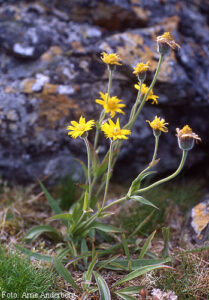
x: 12, y: 115
x: 23, y: 51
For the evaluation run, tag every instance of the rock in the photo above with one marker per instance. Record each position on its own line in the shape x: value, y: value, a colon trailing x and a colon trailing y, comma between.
x: 197, y: 223
x: 51, y: 73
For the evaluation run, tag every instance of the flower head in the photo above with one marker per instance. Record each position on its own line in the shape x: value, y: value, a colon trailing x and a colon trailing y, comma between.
x: 186, y: 138
x: 140, y: 70
x: 144, y: 90
x: 110, y: 59
x: 114, y: 132
x: 78, y: 129
x: 165, y: 42
x: 158, y: 125
x: 112, y: 105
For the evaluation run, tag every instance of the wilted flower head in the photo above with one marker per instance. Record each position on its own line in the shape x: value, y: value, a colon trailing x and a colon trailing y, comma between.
x: 140, y: 70
x: 165, y: 42
x: 114, y: 132
x: 151, y: 95
x: 186, y: 138
x: 111, y: 105
x: 79, y: 129
x: 158, y: 125
x: 110, y: 59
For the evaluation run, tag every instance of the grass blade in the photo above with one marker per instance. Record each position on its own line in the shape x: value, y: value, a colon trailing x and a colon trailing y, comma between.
x: 166, y: 237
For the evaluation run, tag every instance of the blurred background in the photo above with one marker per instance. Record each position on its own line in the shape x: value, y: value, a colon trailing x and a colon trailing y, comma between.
x: 51, y: 73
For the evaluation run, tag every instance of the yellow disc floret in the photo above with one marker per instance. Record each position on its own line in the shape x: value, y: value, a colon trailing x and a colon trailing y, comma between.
x: 111, y: 59
x: 151, y: 95
x: 79, y: 128
x: 114, y: 132
x: 141, y: 68
x: 112, y: 105
x: 158, y: 124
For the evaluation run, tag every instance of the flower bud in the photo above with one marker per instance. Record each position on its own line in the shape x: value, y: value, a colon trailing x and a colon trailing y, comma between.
x: 186, y: 138
x: 165, y: 42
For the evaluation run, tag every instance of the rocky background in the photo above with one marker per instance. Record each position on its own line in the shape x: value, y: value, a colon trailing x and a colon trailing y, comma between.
x: 51, y: 73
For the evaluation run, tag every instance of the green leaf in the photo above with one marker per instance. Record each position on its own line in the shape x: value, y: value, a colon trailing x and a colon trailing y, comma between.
x: 138, y: 272
x: 110, y: 260
x: 105, y: 227
x: 141, y: 225
x: 34, y: 232
x: 65, y: 216
x: 83, y: 166
x: 131, y: 290
x: 35, y: 255
x: 64, y: 273
x: 146, y: 245
x: 91, y: 267
x: 84, y: 249
x: 53, y: 204
x: 102, y: 168
x: 166, y: 237
x: 137, y: 182
x: 143, y: 201
x: 125, y: 296
x: 103, y: 287
x: 135, y: 263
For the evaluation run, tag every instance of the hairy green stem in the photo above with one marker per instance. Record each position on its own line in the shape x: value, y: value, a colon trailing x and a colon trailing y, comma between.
x: 108, y: 174
x: 183, y: 159
x: 154, y: 155
x: 133, y: 111
x: 102, y: 115
x: 131, y: 123
x: 89, y: 168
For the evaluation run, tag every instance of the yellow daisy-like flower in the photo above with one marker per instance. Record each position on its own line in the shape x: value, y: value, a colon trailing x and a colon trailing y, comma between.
x: 141, y: 68
x: 165, y: 41
x: 151, y: 95
x: 111, y: 59
x: 158, y: 124
x: 78, y: 129
x: 114, y: 132
x: 111, y: 106
x: 186, y: 137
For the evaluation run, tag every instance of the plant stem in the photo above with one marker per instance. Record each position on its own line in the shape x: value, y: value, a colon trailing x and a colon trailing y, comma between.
x: 131, y: 123
x: 133, y: 111
x: 154, y: 155
x: 108, y: 174
x: 102, y: 115
x: 89, y: 168
x: 115, y: 202
x: 183, y: 159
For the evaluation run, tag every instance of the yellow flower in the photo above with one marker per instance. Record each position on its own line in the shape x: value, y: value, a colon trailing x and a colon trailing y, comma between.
x: 186, y: 137
x: 165, y: 42
x: 141, y: 68
x: 111, y: 106
x: 111, y: 59
x: 78, y: 129
x: 151, y: 95
x: 114, y: 132
x: 158, y: 124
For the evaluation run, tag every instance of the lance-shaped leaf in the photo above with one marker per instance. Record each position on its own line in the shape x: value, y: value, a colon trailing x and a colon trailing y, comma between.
x: 138, y: 272
x: 34, y: 232
x: 131, y: 290
x: 64, y: 273
x: 125, y: 297
x: 35, y: 255
x: 137, y: 182
x: 146, y: 245
x: 52, y: 202
x: 143, y: 201
x: 66, y: 216
x: 103, y: 287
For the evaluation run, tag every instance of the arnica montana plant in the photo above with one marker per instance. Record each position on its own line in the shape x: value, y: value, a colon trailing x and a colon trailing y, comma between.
x: 81, y: 240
